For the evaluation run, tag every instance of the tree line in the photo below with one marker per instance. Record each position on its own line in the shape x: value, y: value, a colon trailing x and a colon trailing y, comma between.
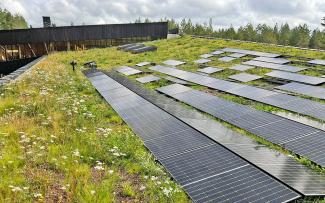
x: 10, y: 21
x: 299, y: 36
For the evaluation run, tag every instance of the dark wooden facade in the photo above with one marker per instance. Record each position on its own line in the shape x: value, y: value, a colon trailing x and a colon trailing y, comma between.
x: 26, y: 43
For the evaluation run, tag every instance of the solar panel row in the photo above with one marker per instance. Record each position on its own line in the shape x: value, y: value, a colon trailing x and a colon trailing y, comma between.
x: 297, y: 77
x: 283, y: 167
x: 274, y: 66
x: 281, y: 100
x: 296, y: 137
x: 205, y: 169
x: 248, y: 52
x: 311, y: 91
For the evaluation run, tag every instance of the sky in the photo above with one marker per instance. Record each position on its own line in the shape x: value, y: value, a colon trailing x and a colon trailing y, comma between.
x: 223, y: 12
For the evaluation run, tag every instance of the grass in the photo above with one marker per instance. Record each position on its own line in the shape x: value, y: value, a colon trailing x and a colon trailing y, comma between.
x: 60, y: 142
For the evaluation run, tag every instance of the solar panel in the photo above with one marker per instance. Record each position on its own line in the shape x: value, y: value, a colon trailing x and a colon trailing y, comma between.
x: 173, y: 62
x: 144, y: 49
x: 143, y: 64
x: 272, y: 60
x: 244, y: 77
x: 281, y: 166
x: 176, y: 150
x: 297, y: 77
x: 125, y: 46
x: 136, y: 46
x: 248, y: 52
x: 226, y: 59
x: 206, y: 55
x: 147, y: 79
x: 128, y: 70
x: 312, y: 91
x: 202, y: 61
x: 217, y: 52
x: 176, y: 80
x: 237, y: 55
x: 317, y: 62
x: 241, y: 67
x: 210, y: 70
x: 275, y: 99
x: 274, y: 66
x: 271, y: 127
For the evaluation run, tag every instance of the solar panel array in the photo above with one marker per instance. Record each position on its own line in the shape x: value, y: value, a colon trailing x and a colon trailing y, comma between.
x: 244, y: 77
x: 272, y: 60
x: 311, y: 91
x: 241, y: 67
x: 281, y: 100
x: 210, y: 70
x: 253, y: 53
x: 205, y: 169
x: 297, y: 77
x: 317, y: 62
x: 296, y: 137
x: 147, y: 79
x: 284, y: 168
x: 274, y: 66
x: 125, y: 70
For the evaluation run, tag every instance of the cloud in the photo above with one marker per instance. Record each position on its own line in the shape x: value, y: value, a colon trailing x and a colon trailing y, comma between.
x: 224, y: 13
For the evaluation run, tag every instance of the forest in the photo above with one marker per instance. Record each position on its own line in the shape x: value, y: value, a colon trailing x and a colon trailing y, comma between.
x: 10, y: 21
x: 299, y: 36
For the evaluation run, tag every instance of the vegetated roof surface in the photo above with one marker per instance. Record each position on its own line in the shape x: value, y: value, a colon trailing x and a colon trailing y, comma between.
x: 59, y: 140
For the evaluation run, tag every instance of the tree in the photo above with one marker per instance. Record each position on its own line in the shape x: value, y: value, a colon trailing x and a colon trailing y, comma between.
x: 10, y: 21
x: 323, y: 23
x: 315, y: 41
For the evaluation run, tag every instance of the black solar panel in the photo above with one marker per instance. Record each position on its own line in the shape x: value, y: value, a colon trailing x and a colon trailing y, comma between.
x: 227, y: 59
x: 237, y: 55
x: 241, y: 67
x: 176, y: 149
x: 210, y: 70
x: 217, y: 52
x: 173, y: 62
x: 272, y: 60
x: 202, y: 61
x: 297, y: 77
x: 244, y: 77
x: 253, y: 53
x: 274, y: 66
x: 271, y: 127
x: 281, y: 166
x: 147, y: 79
x: 280, y: 100
x: 317, y: 62
x: 308, y: 90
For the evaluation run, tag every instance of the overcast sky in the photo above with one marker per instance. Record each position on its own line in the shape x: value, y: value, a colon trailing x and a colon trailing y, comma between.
x: 223, y: 12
